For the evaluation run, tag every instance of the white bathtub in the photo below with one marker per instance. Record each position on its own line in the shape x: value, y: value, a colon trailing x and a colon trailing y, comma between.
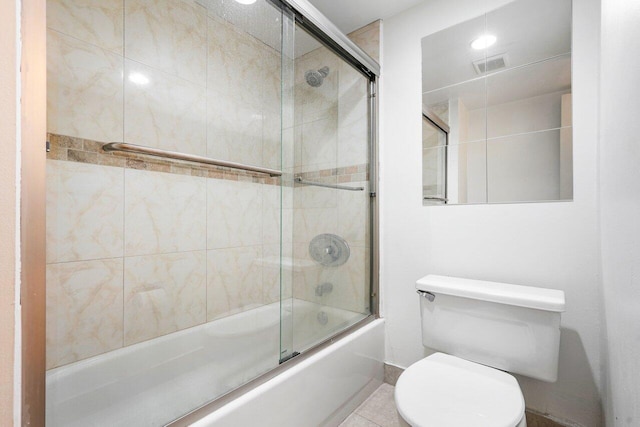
x: 322, y: 390
x: 157, y: 381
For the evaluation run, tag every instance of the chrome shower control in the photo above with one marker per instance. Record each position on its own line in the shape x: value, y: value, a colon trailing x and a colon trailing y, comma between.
x: 324, y: 288
x: 329, y: 250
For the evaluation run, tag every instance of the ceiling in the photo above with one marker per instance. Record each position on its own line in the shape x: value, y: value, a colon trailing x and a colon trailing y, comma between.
x: 349, y: 15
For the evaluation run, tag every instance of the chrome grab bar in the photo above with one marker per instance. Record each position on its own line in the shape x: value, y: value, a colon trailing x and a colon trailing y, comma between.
x: 299, y: 180
x: 149, y: 151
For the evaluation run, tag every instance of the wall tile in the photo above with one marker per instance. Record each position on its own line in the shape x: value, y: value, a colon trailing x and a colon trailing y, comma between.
x: 97, y: 22
x: 353, y: 144
x: 319, y: 145
x: 350, y: 281
x: 272, y: 140
x: 234, y: 130
x: 306, y: 271
x: 164, y: 212
x: 353, y: 214
x: 163, y: 293
x: 291, y: 148
x: 271, y: 272
x: 285, y: 287
x: 353, y: 95
x: 84, y: 310
x: 309, y: 196
x: 168, y: 35
x: 308, y: 223
x: 85, y: 211
x: 234, y: 280
x: 271, y: 214
x: 368, y: 38
x: 352, y: 118
x: 163, y: 111
x: 234, y: 213
x: 272, y: 77
x: 235, y: 64
x: 84, y: 89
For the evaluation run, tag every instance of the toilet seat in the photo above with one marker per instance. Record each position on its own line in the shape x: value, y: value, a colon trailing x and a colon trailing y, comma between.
x: 446, y: 391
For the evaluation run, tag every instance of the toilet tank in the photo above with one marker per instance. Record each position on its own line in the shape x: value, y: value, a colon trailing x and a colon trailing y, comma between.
x: 509, y: 327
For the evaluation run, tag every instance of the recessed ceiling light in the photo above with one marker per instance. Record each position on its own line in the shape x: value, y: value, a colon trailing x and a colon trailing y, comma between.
x: 246, y: 1
x: 138, y: 78
x: 483, y: 42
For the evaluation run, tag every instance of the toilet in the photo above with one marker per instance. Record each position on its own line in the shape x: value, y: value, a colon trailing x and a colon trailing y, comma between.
x: 483, y: 331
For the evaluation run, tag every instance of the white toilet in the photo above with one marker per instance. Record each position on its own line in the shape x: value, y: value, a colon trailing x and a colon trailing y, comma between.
x: 485, y: 329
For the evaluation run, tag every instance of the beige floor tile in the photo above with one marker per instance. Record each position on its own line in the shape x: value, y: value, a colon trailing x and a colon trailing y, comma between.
x: 356, y: 420
x: 380, y: 408
x: 391, y: 374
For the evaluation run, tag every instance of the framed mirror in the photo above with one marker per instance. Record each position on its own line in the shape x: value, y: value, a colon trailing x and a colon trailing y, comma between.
x: 496, y: 107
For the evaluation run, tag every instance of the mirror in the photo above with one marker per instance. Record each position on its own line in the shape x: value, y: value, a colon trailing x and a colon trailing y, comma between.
x: 496, y: 104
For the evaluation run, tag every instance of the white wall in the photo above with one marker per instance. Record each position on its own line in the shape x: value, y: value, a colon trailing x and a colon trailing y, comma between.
x: 620, y: 206
x: 551, y: 245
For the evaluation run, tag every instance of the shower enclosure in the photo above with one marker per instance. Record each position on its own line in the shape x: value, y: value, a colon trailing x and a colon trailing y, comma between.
x: 209, y: 200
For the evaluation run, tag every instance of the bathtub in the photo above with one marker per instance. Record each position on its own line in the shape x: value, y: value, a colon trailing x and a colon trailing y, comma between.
x: 157, y: 381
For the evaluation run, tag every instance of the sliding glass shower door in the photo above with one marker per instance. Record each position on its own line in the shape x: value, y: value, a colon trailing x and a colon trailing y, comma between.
x: 163, y: 275
x: 330, y: 201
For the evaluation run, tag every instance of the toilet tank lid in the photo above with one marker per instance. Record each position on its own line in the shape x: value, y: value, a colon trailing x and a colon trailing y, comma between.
x: 502, y: 293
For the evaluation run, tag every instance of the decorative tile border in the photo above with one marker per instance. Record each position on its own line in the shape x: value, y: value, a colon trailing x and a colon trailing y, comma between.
x: 355, y: 173
x: 81, y: 150
x: 87, y: 151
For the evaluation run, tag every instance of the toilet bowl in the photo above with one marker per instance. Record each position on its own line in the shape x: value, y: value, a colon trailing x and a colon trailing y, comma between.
x: 483, y: 330
x: 446, y: 391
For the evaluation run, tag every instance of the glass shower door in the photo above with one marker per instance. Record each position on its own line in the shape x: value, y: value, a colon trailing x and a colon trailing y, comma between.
x: 163, y: 276
x: 330, y: 243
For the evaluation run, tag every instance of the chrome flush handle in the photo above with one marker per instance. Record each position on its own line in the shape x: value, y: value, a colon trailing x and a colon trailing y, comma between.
x: 428, y: 295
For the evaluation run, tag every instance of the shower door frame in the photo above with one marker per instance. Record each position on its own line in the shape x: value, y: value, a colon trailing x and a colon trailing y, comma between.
x: 313, y: 21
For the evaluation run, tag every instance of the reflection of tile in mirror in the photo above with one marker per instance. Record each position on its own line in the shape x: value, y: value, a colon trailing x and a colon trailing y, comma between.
x: 528, y: 99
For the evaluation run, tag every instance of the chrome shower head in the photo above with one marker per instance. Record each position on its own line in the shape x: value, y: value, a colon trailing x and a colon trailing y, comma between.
x: 315, y: 77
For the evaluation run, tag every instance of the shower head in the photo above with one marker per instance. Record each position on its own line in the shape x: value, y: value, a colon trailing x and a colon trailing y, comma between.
x: 315, y: 77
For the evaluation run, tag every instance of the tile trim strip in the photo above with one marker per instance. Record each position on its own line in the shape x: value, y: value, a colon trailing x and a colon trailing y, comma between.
x: 74, y: 149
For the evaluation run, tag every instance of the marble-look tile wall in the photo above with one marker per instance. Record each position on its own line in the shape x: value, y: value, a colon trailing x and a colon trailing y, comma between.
x: 139, y: 248
x: 135, y: 254
x: 169, y: 74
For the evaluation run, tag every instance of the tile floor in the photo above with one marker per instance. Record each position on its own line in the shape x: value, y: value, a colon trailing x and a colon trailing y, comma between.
x: 379, y: 410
